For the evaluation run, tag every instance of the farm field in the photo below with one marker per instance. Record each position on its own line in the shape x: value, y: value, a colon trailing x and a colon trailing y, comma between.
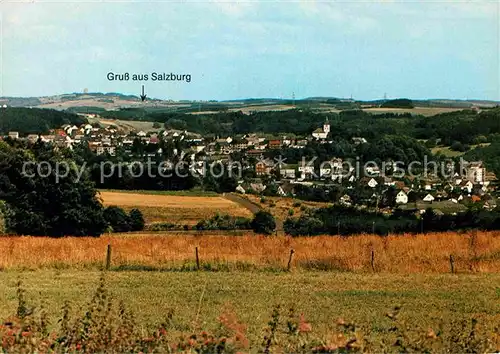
x: 197, y: 299
x: 175, y: 209
x: 425, y: 111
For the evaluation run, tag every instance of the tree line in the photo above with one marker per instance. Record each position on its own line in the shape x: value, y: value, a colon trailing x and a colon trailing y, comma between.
x: 342, y: 220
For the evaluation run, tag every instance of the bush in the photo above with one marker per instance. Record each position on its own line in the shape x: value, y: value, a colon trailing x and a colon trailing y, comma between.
x: 136, y: 220
x: 117, y: 218
x: 224, y: 222
x: 297, y: 204
x: 458, y: 146
x: 161, y: 226
x: 263, y: 200
x: 291, y: 212
x: 304, y: 226
x: 263, y: 223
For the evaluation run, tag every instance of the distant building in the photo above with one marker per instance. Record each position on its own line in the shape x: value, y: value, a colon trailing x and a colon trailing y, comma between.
x: 401, y: 198
x: 14, y: 135
x: 322, y: 133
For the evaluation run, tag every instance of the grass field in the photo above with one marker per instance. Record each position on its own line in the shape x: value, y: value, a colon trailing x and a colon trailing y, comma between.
x: 175, y: 209
x: 241, y: 280
x: 447, y: 152
x: 197, y: 299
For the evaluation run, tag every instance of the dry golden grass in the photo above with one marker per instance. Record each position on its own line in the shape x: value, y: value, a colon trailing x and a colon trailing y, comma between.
x: 473, y: 252
x: 180, y: 210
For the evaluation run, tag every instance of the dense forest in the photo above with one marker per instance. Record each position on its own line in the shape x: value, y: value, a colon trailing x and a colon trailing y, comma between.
x: 35, y: 120
x: 465, y: 126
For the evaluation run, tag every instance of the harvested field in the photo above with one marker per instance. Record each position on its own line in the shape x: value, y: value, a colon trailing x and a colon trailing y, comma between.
x: 179, y: 210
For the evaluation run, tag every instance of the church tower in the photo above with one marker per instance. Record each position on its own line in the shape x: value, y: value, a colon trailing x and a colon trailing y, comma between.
x: 326, y: 126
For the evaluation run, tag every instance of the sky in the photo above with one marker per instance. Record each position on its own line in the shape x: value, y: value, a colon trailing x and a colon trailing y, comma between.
x: 271, y: 49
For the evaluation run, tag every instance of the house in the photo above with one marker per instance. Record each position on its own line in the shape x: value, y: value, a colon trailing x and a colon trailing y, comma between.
x: 264, y: 167
x: 141, y: 134
x: 240, y: 189
x: 428, y: 198
x: 32, y: 138
x: 306, y: 171
x: 332, y: 169
x: 78, y: 138
x: 224, y: 141
x: 475, y: 199
x: 14, y: 135
x: 285, y: 189
x: 63, y: 141
x: 274, y: 144
x: 153, y: 139
x: 322, y: 133
x: 359, y: 140
x: 254, y: 153
x: 239, y: 145
x: 111, y: 150
x: 467, y: 186
x: 257, y: 187
x: 401, y: 197
x: 372, y: 171
x: 372, y: 183
x: 345, y: 200
x: 253, y: 140
x: 475, y: 172
x: 490, y: 204
x: 287, y: 173
x: 47, y: 138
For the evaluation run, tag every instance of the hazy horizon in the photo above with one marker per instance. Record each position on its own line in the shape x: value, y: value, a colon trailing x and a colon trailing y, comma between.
x: 261, y: 49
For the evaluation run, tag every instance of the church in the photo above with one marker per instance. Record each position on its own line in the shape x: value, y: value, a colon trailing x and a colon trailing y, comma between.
x: 322, y: 133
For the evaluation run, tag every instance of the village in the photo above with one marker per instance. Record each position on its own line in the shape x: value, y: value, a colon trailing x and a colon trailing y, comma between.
x: 337, y: 180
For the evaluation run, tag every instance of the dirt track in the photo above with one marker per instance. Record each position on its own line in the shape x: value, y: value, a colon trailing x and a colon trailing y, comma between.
x: 254, y: 208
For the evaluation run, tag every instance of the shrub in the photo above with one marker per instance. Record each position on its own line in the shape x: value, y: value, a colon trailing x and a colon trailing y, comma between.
x: 117, y: 218
x: 291, y: 212
x: 224, y: 222
x: 136, y: 220
x: 161, y: 226
x: 303, y: 226
x: 263, y: 223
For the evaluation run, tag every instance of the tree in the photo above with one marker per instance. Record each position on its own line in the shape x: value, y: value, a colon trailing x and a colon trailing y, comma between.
x: 263, y: 223
x: 136, y: 220
x: 55, y: 198
x: 117, y: 218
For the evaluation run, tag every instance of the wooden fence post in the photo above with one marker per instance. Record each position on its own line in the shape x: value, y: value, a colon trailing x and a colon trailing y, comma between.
x: 108, y: 257
x: 452, y: 264
x: 197, y: 259
x: 289, y: 266
x: 372, y: 260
